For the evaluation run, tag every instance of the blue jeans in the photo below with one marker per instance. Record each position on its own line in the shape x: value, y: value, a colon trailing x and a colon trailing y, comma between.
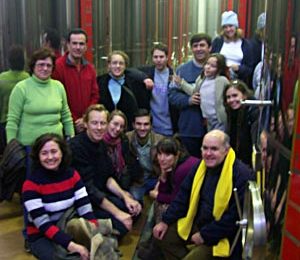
x: 138, y: 192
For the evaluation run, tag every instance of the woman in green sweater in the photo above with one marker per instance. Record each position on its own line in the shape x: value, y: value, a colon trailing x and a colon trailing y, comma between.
x: 38, y: 104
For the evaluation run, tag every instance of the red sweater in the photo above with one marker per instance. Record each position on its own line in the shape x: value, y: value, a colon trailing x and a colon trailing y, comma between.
x: 81, y: 86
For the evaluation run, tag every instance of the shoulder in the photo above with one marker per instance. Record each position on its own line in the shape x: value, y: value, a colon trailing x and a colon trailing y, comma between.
x: 130, y: 135
x: 222, y: 79
x: 242, y: 172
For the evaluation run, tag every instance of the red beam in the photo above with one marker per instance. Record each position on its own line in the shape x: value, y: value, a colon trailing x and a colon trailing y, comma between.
x: 86, y: 23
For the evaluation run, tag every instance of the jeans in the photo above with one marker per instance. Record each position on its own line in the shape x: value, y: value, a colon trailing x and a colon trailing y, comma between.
x: 43, y: 248
x: 138, y: 192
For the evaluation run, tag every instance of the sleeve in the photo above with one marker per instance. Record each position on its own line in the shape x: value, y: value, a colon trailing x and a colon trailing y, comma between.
x: 226, y: 227
x: 66, y: 116
x: 15, y: 110
x: 186, y: 87
x: 81, y: 162
x: 164, y: 195
x: 94, y: 89
x: 82, y: 202
x: 37, y: 212
x: 179, y: 206
x: 138, y: 74
x: 246, y: 67
x: 58, y: 73
x: 177, y: 98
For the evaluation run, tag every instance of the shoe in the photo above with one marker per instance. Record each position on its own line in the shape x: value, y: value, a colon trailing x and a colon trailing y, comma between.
x: 26, y: 246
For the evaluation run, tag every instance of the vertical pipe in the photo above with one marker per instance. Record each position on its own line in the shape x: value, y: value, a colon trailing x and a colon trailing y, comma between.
x: 180, y: 33
x: 170, y: 27
x: 242, y: 14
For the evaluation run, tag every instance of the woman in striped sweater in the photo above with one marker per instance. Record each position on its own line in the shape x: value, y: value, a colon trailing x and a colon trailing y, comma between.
x: 51, y: 189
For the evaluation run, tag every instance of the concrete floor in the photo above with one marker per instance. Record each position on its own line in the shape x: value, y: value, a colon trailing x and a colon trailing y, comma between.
x: 12, y: 243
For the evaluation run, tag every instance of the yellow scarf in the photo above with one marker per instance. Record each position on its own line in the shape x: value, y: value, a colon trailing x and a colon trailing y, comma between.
x: 221, y: 200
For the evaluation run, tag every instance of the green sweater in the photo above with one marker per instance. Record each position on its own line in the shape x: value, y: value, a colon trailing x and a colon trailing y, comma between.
x: 8, y: 80
x: 37, y: 107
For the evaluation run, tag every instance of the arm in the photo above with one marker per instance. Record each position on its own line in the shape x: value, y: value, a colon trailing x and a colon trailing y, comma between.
x: 178, y: 99
x: 133, y: 206
x: 66, y: 117
x: 15, y: 110
x: 94, y: 89
x: 246, y: 68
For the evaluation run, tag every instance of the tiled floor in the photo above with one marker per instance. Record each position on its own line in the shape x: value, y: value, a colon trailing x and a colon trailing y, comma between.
x: 12, y: 243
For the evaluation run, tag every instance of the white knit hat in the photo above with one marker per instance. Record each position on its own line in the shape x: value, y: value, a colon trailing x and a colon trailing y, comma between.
x: 229, y: 18
x: 261, y: 21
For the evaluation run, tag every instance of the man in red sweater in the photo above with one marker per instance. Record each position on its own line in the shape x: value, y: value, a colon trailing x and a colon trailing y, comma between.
x: 78, y: 76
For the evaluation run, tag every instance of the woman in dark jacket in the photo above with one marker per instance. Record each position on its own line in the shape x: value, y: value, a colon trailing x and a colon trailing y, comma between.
x: 234, y: 47
x: 242, y: 120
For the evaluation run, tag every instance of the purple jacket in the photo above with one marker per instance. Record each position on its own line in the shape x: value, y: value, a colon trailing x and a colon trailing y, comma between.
x: 168, y: 190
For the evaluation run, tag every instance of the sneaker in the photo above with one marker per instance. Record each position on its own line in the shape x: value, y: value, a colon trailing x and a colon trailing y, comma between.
x: 26, y: 246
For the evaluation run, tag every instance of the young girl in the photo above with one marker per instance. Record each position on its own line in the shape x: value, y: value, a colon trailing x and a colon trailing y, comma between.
x: 210, y: 85
x: 242, y: 120
x: 51, y: 189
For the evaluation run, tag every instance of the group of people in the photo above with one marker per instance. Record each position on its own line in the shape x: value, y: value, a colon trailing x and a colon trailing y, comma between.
x: 62, y: 105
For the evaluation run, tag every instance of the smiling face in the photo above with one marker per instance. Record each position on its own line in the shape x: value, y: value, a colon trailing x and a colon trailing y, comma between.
x: 213, y: 150
x: 116, y: 126
x: 96, y: 125
x: 117, y: 65
x: 234, y: 97
x: 142, y: 126
x: 50, y: 156
x: 43, y: 68
x: 229, y: 31
x: 200, y: 50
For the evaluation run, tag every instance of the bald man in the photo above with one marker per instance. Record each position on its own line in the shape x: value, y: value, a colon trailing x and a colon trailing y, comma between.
x: 204, y: 213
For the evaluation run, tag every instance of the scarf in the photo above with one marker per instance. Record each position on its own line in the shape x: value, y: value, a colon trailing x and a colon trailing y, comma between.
x: 222, y: 196
x: 115, y: 152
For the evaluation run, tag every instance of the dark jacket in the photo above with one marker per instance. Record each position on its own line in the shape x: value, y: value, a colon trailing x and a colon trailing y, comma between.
x: 243, y: 131
x: 246, y: 67
x: 212, y: 231
x: 134, y: 94
x: 174, y: 112
x: 12, y: 169
x: 93, y: 164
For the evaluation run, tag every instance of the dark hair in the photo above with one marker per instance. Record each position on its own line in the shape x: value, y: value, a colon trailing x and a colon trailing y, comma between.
x: 222, y: 69
x: 94, y: 107
x: 41, y: 54
x: 16, y: 58
x: 42, y: 140
x: 121, y: 53
x: 200, y: 37
x: 77, y: 31
x: 117, y: 112
x: 240, y: 86
x: 160, y: 46
x: 141, y: 112
x: 53, y: 37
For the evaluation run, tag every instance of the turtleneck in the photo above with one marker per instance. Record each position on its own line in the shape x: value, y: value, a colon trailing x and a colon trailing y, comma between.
x: 40, y: 81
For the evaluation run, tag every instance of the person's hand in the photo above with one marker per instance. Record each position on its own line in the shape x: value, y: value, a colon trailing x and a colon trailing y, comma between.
x: 195, y: 99
x: 153, y: 193
x: 149, y: 83
x: 160, y: 230
x: 84, y: 253
x: 197, y: 239
x: 79, y: 125
x: 133, y: 206
x: 176, y: 79
x: 125, y: 218
x: 235, y: 67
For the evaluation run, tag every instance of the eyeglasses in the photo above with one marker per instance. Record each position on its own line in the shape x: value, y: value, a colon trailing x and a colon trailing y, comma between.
x: 42, y: 65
